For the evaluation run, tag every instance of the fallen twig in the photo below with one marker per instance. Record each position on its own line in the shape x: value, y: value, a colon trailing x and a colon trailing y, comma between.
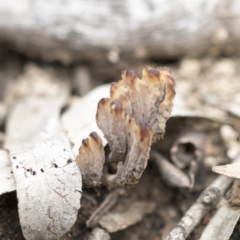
x: 205, y: 202
x: 222, y: 224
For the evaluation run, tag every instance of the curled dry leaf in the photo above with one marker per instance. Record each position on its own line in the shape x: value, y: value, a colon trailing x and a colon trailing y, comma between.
x: 132, y: 118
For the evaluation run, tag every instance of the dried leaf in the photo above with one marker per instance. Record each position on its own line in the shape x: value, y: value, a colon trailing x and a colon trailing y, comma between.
x: 80, y: 119
x: 48, y: 180
x: 115, y: 221
x: 230, y: 170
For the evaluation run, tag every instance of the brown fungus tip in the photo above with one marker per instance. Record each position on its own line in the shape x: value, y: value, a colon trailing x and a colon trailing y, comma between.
x: 103, y: 101
x: 113, y: 87
x: 116, y: 105
x: 130, y: 74
x: 153, y: 73
x: 85, y: 142
x: 94, y: 136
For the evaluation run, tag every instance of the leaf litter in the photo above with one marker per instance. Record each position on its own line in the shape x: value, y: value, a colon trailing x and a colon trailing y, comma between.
x: 190, y: 157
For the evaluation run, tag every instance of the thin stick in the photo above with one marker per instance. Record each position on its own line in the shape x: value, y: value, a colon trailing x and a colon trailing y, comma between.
x: 205, y: 202
x: 209, y: 199
x: 222, y: 224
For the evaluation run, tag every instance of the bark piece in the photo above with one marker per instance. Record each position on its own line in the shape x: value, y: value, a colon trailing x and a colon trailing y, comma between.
x: 115, y: 221
x: 6, y: 174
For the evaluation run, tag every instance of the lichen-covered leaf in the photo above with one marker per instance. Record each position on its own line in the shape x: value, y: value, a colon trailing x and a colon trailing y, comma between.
x: 48, y: 180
